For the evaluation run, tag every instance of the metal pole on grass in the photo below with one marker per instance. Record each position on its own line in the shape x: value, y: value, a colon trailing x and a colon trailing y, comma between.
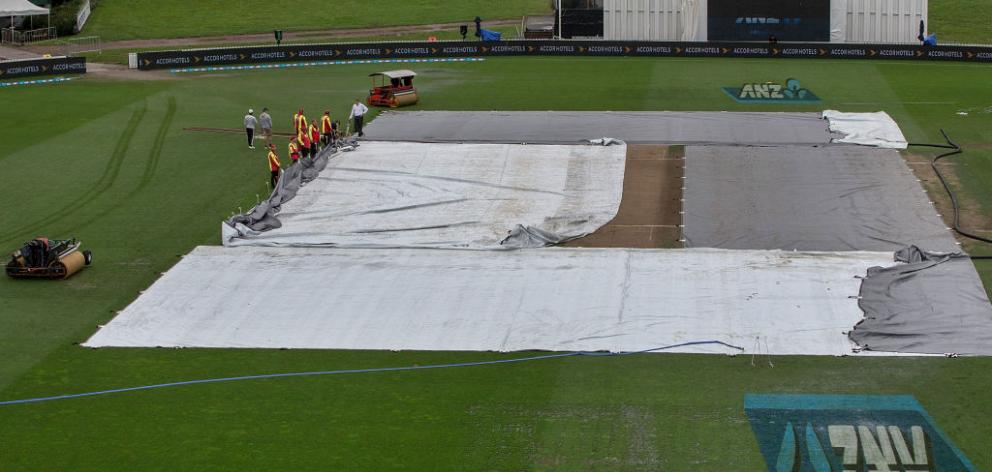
x: 559, y: 20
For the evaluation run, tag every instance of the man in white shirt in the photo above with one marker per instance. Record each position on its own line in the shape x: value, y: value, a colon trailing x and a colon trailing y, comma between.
x: 358, y: 111
x: 266, y: 121
x: 250, y: 122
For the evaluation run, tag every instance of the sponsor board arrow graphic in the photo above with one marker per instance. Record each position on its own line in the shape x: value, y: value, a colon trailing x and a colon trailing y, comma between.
x: 823, y: 52
x: 919, y: 53
x: 147, y: 62
x: 970, y: 55
x: 337, y: 52
x: 774, y: 52
x: 872, y: 52
x: 388, y: 50
x: 725, y: 50
x: 196, y: 59
x: 292, y: 54
x: 626, y: 49
x: 530, y: 48
x: 582, y: 49
x: 678, y: 50
x: 433, y: 50
x: 2, y: 71
x: 485, y: 49
x: 241, y: 56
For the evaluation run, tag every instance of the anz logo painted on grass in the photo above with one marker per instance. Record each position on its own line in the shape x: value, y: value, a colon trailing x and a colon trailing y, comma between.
x: 771, y: 92
x: 850, y: 433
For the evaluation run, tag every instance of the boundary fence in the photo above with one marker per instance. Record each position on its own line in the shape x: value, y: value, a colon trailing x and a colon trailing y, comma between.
x: 47, y: 66
x: 395, y: 50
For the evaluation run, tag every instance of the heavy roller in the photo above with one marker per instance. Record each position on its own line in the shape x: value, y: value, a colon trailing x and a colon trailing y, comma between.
x: 397, y: 92
x: 43, y: 258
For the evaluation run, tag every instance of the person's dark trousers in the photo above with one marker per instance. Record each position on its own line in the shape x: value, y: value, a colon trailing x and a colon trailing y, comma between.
x: 325, y: 139
x: 304, y: 152
x: 275, y: 178
x: 313, y: 150
x: 251, y: 137
x: 359, y: 120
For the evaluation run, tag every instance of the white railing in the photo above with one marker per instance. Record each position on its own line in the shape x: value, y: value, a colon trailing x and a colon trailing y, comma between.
x: 74, y: 45
x: 12, y: 36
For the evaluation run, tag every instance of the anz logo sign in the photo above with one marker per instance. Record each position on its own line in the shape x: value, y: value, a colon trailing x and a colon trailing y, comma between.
x: 791, y: 91
x: 841, y: 433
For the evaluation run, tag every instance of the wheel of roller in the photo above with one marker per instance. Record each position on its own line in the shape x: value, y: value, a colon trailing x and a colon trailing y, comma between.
x: 407, y: 99
x: 72, y: 263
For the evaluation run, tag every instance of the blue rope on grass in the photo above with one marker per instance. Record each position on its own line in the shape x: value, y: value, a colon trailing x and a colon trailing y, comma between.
x: 36, y: 81
x: 361, y: 371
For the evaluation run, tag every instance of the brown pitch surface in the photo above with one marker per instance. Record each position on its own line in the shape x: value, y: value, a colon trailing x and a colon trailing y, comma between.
x: 649, y: 215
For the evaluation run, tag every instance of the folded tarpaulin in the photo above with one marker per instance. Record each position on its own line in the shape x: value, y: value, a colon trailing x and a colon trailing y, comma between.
x: 868, y: 129
x: 488, y: 35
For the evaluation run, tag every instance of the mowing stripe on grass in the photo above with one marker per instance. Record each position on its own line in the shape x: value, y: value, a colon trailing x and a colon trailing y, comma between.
x: 324, y: 63
x: 156, y: 151
x: 364, y: 371
x: 150, y: 166
x: 106, y: 180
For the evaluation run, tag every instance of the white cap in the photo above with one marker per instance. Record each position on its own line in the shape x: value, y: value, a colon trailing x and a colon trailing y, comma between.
x: 250, y: 111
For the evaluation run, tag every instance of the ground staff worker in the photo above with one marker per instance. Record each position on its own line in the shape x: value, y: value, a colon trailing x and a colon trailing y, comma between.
x: 250, y: 122
x: 294, y: 150
x: 265, y: 120
x: 296, y: 120
x: 274, y: 165
x: 314, y: 139
x: 303, y: 140
x: 300, y: 121
x: 326, y: 129
x: 358, y: 111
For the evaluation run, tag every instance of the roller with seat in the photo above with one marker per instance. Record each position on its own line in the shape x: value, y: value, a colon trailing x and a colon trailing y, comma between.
x: 393, y: 89
x: 43, y: 258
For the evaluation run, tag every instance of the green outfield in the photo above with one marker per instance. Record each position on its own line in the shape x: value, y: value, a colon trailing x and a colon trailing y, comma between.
x: 111, y: 163
x: 115, y: 19
x: 120, y: 55
x: 962, y: 21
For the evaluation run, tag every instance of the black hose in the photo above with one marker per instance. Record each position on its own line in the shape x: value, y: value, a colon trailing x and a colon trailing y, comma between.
x: 954, y: 149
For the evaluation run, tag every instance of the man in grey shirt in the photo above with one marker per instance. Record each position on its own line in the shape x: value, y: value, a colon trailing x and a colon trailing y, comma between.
x: 250, y: 122
x: 265, y: 121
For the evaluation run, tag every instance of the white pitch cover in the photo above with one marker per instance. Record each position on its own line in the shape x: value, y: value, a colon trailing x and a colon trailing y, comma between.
x: 768, y: 302
x: 402, y: 194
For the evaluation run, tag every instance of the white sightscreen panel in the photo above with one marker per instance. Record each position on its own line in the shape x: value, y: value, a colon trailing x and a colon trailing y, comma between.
x: 550, y: 299
x: 881, y: 21
x: 645, y: 20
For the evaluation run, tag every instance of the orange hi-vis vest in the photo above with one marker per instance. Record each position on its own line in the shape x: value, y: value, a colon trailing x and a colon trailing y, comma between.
x: 294, y: 152
x: 325, y: 123
x: 274, y: 164
x: 314, y: 133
